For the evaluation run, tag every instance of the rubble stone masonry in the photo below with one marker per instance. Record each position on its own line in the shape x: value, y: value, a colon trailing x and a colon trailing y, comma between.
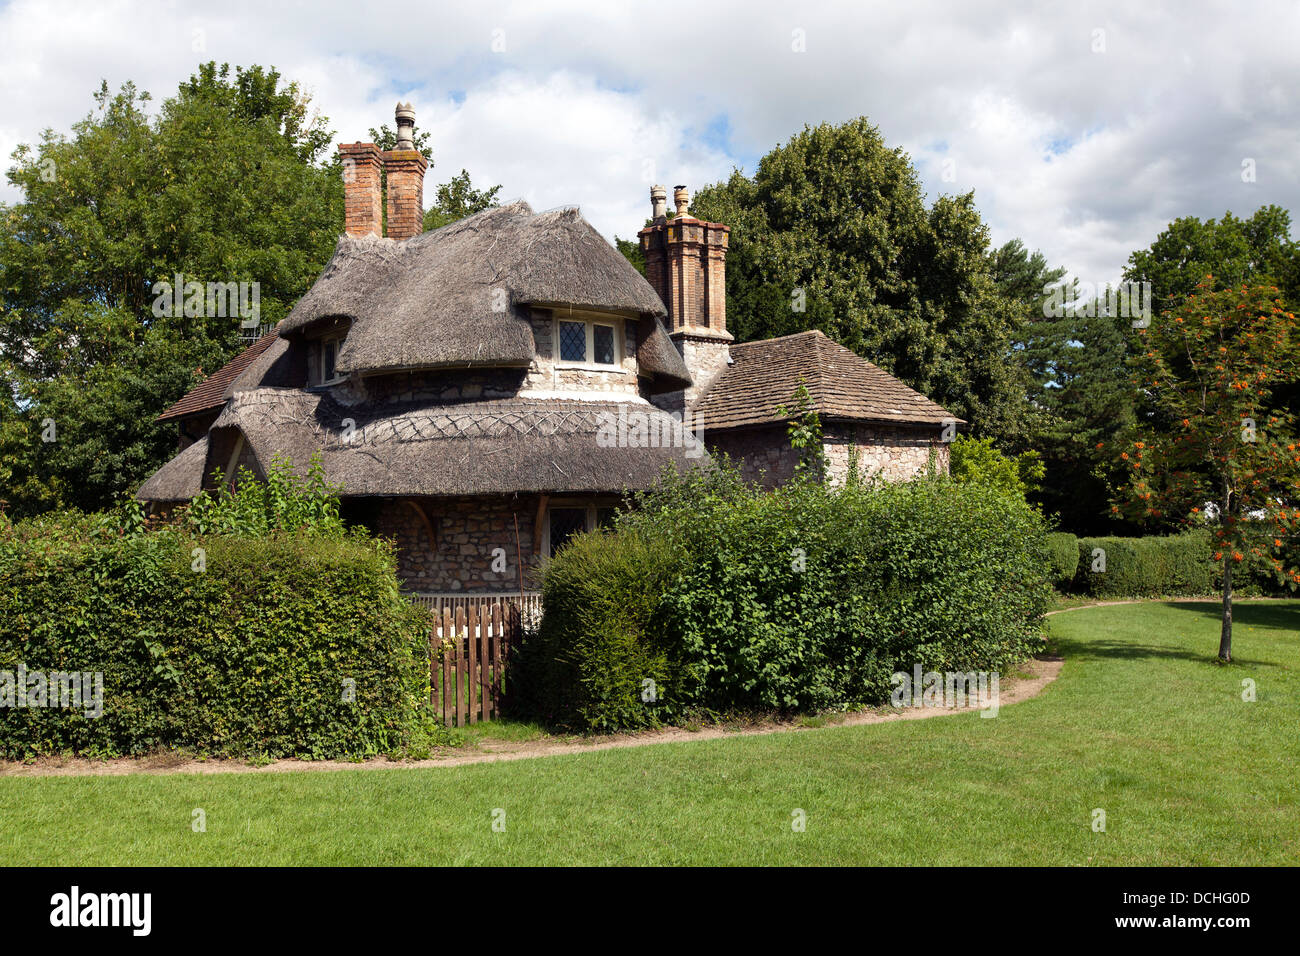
x: 467, y: 532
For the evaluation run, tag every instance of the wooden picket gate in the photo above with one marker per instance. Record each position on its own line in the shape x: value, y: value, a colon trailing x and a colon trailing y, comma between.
x: 467, y: 665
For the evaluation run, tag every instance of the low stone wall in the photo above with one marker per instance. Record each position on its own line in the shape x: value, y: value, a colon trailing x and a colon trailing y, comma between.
x: 468, y: 531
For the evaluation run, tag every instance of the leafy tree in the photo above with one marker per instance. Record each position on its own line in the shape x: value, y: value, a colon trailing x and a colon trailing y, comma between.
x: 456, y: 199
x: 977, y: 461
x: 631, y: 250
x: 1082, y: 387
x: 832, y: 232
x: 1257, y: 250
x: 225, y: 184
x: 1215, y: 446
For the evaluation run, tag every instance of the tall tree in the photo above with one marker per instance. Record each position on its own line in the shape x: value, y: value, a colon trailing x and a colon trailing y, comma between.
x: 832, y: 232
x: 1215, y: 442
x: 226, y: 184
x: 1256, y: 250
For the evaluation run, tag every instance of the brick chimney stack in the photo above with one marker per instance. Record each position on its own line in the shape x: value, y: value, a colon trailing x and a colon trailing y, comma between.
x: 686, y: 263
x: 362, y: 193
x: 405, y: 167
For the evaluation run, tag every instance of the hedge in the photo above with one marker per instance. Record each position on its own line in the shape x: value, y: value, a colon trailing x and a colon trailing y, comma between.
x: 1063, y: 553
x: 251, y: 655
x: 731, y: 599
x: 1114, y: 567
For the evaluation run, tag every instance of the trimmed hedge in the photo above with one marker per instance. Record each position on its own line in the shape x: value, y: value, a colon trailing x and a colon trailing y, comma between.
x: 246, y: 658
x: 1147, y: 567
x: 1063, y: 553
x: 731, y: 599
x: 599, y: 641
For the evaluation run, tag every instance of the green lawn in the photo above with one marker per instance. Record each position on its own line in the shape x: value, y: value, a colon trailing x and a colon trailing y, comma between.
x: 1141, y: 724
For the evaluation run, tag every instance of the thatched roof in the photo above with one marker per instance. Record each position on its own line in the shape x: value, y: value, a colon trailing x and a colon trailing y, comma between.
x: 763, y: 376
x: 486, y: 447
x: 181, y: 478
x: 456, y: 296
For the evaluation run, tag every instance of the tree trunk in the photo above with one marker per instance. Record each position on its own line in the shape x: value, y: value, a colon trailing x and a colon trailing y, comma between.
x: 1225, y: 634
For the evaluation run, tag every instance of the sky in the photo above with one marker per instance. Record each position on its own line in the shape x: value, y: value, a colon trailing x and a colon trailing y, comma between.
x: 1083, y: 128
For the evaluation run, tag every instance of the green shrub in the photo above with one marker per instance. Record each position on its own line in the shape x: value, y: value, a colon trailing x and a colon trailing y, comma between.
x: 1146, y: 567
x: 246, y: 657
x: 1063, y: 553
x: 801, y: 599
x: 598, y: 655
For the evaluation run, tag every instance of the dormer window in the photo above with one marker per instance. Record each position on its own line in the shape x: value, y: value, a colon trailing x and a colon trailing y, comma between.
x: 590, y: 342
x: 323, y: 358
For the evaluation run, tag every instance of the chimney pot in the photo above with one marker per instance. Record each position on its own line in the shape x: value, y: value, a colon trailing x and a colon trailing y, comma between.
x: 405, y: 117
x: 658, y: 202
x: 682, y: 198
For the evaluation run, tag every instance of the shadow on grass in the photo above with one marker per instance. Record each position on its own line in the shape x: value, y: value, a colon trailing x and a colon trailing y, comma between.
x: 1127, y: 650
x: 1284, y: 617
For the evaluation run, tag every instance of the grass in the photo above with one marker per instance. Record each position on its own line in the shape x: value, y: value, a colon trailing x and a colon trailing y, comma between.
x: 1141, y: 724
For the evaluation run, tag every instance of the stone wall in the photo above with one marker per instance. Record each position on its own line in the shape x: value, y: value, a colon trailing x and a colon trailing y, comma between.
x: 706, y: 358
x: 547, y: 374
x: 765, y: 455
x: 894, y: 452
x: 440, y: 385
x: 467, y: 531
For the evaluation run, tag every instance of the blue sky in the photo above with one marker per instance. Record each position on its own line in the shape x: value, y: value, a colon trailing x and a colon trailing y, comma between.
x: 1082, y: 128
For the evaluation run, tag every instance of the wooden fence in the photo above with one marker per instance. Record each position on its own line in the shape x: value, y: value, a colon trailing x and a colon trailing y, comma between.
x: 469, y: 647
x: 529, y: 603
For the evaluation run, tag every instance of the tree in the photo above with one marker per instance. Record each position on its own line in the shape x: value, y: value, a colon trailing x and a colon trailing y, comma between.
x: 1257, y: 250
x: 631, y: 250
x: 975, y: 461
x: 1216, y: 447
x: 226, y: 184
x: 832, y: 232
x: 456, y: 199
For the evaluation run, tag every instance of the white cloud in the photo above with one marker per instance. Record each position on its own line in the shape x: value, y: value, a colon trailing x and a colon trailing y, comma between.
x: 1085, y: 154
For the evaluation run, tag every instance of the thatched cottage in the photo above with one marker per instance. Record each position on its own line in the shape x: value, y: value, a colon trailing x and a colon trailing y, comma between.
x: 482, y: 391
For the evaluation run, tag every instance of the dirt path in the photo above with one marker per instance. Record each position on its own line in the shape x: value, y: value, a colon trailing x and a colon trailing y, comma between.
x: 1041, y: 671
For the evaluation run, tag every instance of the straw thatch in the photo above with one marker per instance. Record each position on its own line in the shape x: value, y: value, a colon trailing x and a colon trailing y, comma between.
x: 486, y: 447
x: 181, y: 478
x: 457, y: 296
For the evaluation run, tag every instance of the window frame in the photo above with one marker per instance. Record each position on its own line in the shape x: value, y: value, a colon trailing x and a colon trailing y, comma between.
x: 592, y: 507
x: 588, y: 361
x: 318, y: 359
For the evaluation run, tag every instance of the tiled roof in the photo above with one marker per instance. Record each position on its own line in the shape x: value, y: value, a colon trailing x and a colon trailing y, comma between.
x: 210, y: 393
x: 765, y: 374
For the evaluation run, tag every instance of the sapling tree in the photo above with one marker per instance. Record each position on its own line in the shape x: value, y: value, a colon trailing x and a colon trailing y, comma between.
x: 1219, y: 448
x: 805, y: 433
